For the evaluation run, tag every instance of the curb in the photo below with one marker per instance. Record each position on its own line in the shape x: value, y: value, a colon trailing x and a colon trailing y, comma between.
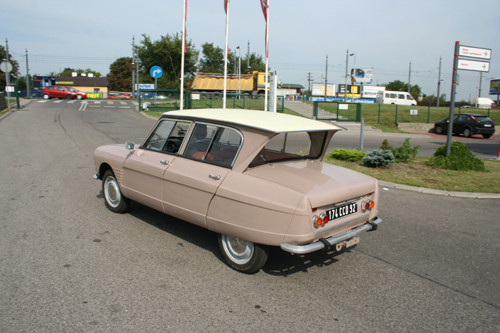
x: 470, y: 195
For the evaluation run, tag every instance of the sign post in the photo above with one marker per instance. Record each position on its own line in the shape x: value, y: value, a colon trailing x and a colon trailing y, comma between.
x: 465, y: 64
x: 156, y: 72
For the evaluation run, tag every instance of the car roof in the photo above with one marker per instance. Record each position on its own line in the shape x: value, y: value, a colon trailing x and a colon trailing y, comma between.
x: 268, y: 121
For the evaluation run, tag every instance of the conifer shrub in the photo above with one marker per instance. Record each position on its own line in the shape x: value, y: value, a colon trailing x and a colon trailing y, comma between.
x: 403, y: 154
x: 460, y: 158
x: 380, y: 158
x: 350, y: 155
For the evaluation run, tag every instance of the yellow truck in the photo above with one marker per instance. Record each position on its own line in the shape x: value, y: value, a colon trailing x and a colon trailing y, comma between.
x: 250, y: 84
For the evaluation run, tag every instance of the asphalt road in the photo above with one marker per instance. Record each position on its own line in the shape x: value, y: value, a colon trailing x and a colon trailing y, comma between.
x: 67, y: 264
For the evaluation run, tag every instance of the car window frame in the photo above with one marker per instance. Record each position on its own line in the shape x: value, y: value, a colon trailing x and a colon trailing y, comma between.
x: 212, y: 141
x: 162, y: 149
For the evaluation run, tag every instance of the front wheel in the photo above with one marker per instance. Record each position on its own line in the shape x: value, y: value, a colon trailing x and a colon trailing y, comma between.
x: 439, y: 129
x: 113, y: 198
x: 242, y: 255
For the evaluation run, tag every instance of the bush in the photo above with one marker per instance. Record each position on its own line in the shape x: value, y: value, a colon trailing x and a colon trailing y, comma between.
x: 350, y: 155
x: 378, y: 158
x: 460, y: 158
x: 403, y: 154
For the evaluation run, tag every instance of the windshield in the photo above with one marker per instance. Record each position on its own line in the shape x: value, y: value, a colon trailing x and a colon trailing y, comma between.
x: 291, y: 146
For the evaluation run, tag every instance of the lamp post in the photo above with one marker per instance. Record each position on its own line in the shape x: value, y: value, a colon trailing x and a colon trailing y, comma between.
x: 347, y: 55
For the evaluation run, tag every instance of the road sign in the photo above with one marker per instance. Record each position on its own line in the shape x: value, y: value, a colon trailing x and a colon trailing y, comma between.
x: 6, y: 67
x: 473, y: 65
x: 156, y: 72
x: 474, y: 52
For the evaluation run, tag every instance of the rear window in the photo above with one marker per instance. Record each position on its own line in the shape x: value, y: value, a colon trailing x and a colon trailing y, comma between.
x: 291, y: 146
x: 483, y: 119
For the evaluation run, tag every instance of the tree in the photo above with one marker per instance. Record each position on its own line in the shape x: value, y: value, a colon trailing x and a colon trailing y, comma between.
x: 256, y: 63
x: 69, y: 72
x: 166, y: 53
x: 212, y: 60
x: 120, y: 74
x: 398, y: 85
x: 15, y: 68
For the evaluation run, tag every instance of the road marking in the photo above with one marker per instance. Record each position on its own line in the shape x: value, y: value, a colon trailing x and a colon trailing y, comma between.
x: 83, y: 106
x: 58, y: 101
x: 110, y: 102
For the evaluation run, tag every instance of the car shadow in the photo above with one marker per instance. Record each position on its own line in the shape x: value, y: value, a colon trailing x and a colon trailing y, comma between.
x: 280, y: 263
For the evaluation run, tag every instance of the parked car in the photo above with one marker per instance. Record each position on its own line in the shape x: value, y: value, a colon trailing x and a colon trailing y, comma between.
x: 119, y: 95
x: 467, y: 124
x: 79, y: 94
x: 255, y: 178
x: 57, y: 92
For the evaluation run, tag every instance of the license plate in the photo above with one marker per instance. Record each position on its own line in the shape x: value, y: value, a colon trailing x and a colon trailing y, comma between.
x: 342, y: 211
x: 487, y: 125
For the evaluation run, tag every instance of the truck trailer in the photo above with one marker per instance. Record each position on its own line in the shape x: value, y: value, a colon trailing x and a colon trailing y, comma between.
x: 249, y: 84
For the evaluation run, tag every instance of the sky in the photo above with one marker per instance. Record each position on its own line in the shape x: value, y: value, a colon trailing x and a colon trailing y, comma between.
x: 385, y: 35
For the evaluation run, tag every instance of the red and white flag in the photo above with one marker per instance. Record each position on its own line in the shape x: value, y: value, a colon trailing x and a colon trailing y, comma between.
x: 184, y: 25
x: 265, y: 5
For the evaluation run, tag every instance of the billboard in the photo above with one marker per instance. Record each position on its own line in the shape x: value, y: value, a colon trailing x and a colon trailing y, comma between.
x: 372, y: 91
x: 495, y: 86
x: 318, y: 89
x: 362, y: 75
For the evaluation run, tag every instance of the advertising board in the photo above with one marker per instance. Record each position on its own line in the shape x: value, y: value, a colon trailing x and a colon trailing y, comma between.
x: 372, y: 91
x: 495, y: 86
x: 362, y: 75
x: 318, y: 89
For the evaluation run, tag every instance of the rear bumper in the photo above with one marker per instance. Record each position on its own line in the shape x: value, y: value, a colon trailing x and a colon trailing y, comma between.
x: 312, y: 247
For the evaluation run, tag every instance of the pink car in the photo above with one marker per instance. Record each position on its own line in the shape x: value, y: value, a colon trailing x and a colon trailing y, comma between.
x: 255, y: 178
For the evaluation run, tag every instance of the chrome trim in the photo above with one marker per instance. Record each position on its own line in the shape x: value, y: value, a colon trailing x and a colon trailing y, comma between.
x: 312, y: 247
x: 95, y: 176
x: 335, y: 226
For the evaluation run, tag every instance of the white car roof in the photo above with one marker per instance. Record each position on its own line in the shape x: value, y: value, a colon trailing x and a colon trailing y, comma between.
x: 268, y: 121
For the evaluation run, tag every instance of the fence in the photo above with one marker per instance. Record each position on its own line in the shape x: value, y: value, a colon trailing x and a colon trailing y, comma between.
x: 167, y: 100
x: 391, y: 113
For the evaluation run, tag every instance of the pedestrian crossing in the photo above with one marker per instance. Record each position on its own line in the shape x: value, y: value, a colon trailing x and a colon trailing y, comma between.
x: 89, y: 103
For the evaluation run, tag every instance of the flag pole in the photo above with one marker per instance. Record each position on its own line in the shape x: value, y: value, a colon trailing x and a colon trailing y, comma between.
x: 226, y: 7
x: 265, y: 9
x: 183, y: 53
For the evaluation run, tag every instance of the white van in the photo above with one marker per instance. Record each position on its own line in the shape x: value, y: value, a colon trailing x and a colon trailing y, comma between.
x: 395, y: 97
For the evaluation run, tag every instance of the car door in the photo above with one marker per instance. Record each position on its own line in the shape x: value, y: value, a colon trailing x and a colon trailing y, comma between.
x: 192, y: 179
x: 144, y: 168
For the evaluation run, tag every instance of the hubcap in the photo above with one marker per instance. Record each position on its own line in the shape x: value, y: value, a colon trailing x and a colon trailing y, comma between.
x: 112, y: 192
x: 238, y: 250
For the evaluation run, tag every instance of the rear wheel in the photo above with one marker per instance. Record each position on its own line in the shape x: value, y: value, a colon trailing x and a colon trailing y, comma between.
x: 243, y: 255
x: 113, y: 198
x: 45, y: 96
x: 69, y: 97
x: 467, y: 132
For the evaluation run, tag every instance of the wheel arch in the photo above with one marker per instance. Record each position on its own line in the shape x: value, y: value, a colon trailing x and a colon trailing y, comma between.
x: 103, y: 168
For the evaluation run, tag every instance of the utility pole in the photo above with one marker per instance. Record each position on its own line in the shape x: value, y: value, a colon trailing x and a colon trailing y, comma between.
x: 7, y: 73
x: 326, y: 78
x: 27, y: 76
x: 439, y: 82
x: 409, y: 78
x: 248, y: 58
x: 309, y: 79
x: 133, y: 66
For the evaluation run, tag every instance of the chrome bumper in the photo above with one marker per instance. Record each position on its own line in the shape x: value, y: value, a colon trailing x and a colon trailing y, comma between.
x: 308, y: 248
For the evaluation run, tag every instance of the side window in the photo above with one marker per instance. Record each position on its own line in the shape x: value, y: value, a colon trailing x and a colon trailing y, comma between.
x: 214, y: 144
x: 408, y: 97
x: 167, y: 136
x: 401, y: 96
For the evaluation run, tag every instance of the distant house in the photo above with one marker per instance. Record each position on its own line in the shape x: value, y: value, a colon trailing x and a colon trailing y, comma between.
x: 289, y: 90
x: 89, y: 85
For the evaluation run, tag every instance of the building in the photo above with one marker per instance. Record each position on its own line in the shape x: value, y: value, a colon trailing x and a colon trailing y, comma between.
x: 95, y: 87
x: 289, y: 91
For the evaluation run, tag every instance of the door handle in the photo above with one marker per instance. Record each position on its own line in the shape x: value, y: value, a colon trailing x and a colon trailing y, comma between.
x: 214, y: 176
x: 164, y: 162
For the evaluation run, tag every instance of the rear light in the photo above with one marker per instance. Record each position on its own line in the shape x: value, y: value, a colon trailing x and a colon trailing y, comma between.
x: 367, y: 205
x: 320, y: 220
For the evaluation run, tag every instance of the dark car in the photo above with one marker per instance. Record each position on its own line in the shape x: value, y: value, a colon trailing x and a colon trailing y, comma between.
x: 467, y: 124
x: 57, y: 92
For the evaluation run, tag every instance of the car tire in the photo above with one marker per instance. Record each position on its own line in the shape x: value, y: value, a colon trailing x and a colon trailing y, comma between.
x: 113, y: 197
x: 439, y: 129
x: 487, y: 136
x: 69, y: 97
x: 46, y: 96
x: 79, y: 97
x: 467, y: 132
x: 242, y: 255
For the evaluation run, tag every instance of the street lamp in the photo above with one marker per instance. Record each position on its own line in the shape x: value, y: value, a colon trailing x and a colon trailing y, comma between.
x: 239, y: 71
x: 347, y: 55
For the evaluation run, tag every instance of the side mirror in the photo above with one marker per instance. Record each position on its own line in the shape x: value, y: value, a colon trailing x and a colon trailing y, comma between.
x: 129, y: 145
